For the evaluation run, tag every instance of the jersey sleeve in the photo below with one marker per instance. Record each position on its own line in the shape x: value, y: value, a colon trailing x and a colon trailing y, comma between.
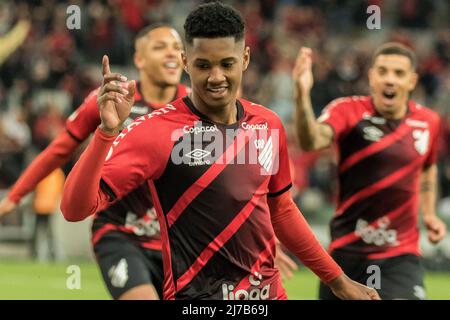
x: 54, y: 156
x: 138, y: 154
x: 111, y: 167
x: 83, y: 121
x: 280, y: 180
x: 335, y: 114
x: 434, y: 141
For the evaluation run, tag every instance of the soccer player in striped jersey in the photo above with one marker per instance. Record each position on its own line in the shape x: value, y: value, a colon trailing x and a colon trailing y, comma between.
x: 387, y: 147
x: 217, y: 167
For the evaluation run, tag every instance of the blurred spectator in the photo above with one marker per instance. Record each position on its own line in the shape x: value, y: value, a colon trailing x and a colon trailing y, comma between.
x: 15, y: 137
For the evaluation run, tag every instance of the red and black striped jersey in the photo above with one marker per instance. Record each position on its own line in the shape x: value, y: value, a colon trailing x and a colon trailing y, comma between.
x: 134, y: 213
x: 209, y: 184
x: 380, y: 164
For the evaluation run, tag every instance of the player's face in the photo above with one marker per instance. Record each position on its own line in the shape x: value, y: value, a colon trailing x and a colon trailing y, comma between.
x: 392, y: 78
x: 159, y: 56
x: 215, y: 67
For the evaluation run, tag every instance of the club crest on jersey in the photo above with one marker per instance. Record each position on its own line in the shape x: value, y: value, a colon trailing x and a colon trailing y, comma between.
x: 119, y: 274
x: 372, y: 133
x: 421, y: 140
x: 266, y: 154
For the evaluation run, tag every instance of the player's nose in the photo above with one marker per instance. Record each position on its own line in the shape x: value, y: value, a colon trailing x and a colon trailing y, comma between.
x: 216, y: 76
x: 390, y: 79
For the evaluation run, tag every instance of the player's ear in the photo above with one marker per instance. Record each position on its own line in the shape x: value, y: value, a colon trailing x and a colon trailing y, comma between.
x: 138, y: 61
x: 184, y: 59
x: 413, y: 81
x: 246, y: 58
x: 370, y: 74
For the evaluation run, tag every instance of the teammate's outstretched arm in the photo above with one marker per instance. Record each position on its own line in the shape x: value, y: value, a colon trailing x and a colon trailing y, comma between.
x: 82, y: 194
x: 294, y: 232
x: 54, y: 156
x: 435, y: 226
x: 284, y: 263
x: 312, y: 135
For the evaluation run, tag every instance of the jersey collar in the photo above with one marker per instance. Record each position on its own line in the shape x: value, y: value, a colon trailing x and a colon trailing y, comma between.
x: 190, y: 105
x: 138, y: 97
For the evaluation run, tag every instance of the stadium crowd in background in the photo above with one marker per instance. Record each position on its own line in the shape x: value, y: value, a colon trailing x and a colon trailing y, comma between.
x: 55, y: 68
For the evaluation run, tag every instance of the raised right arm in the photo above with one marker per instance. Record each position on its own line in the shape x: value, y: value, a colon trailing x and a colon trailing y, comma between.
x: 311, y: 134
x: 83, y: 194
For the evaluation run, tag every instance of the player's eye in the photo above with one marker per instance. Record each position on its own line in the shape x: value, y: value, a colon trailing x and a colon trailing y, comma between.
x: 381, y: 71
x: 227, y: 65
x: 202, y: 66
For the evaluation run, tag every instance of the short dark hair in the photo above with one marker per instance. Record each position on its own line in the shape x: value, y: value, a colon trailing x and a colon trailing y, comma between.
x: 144, y: 31
x: 396, y: 48
x: 214, y: 20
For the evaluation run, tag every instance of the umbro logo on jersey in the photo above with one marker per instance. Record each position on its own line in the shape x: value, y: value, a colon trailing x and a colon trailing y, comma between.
x: 373, y: 119
x: 119, y: 274
x: 372, y: 133
x: 197, y: 155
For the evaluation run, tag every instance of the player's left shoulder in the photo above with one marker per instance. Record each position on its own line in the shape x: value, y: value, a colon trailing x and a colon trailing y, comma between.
x: 260, y: 113
x: 422, y: 113
x: 183, y: 90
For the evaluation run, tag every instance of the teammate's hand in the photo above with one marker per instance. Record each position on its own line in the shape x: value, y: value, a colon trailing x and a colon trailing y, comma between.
x: 346, y: 289
x: 284, y: 263
x: 302, y: 73
x: 6, y: 206
x: 436, y: 228
x: 114, y: 100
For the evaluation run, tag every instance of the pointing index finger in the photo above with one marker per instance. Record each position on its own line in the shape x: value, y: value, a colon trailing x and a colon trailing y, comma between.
x: 105, y: 62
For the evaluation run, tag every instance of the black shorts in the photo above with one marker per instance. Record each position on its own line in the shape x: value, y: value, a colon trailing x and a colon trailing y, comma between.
x: 398, y: 277
x: 125, y: 264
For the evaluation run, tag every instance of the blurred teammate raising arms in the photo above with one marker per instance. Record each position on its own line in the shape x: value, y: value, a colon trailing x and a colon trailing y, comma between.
x: 387, y: 146
x: 125, y: 236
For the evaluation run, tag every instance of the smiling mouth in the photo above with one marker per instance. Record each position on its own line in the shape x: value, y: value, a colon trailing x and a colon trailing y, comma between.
x: 171, y: 65
x: 217, y: 90
x: 389, y: 94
